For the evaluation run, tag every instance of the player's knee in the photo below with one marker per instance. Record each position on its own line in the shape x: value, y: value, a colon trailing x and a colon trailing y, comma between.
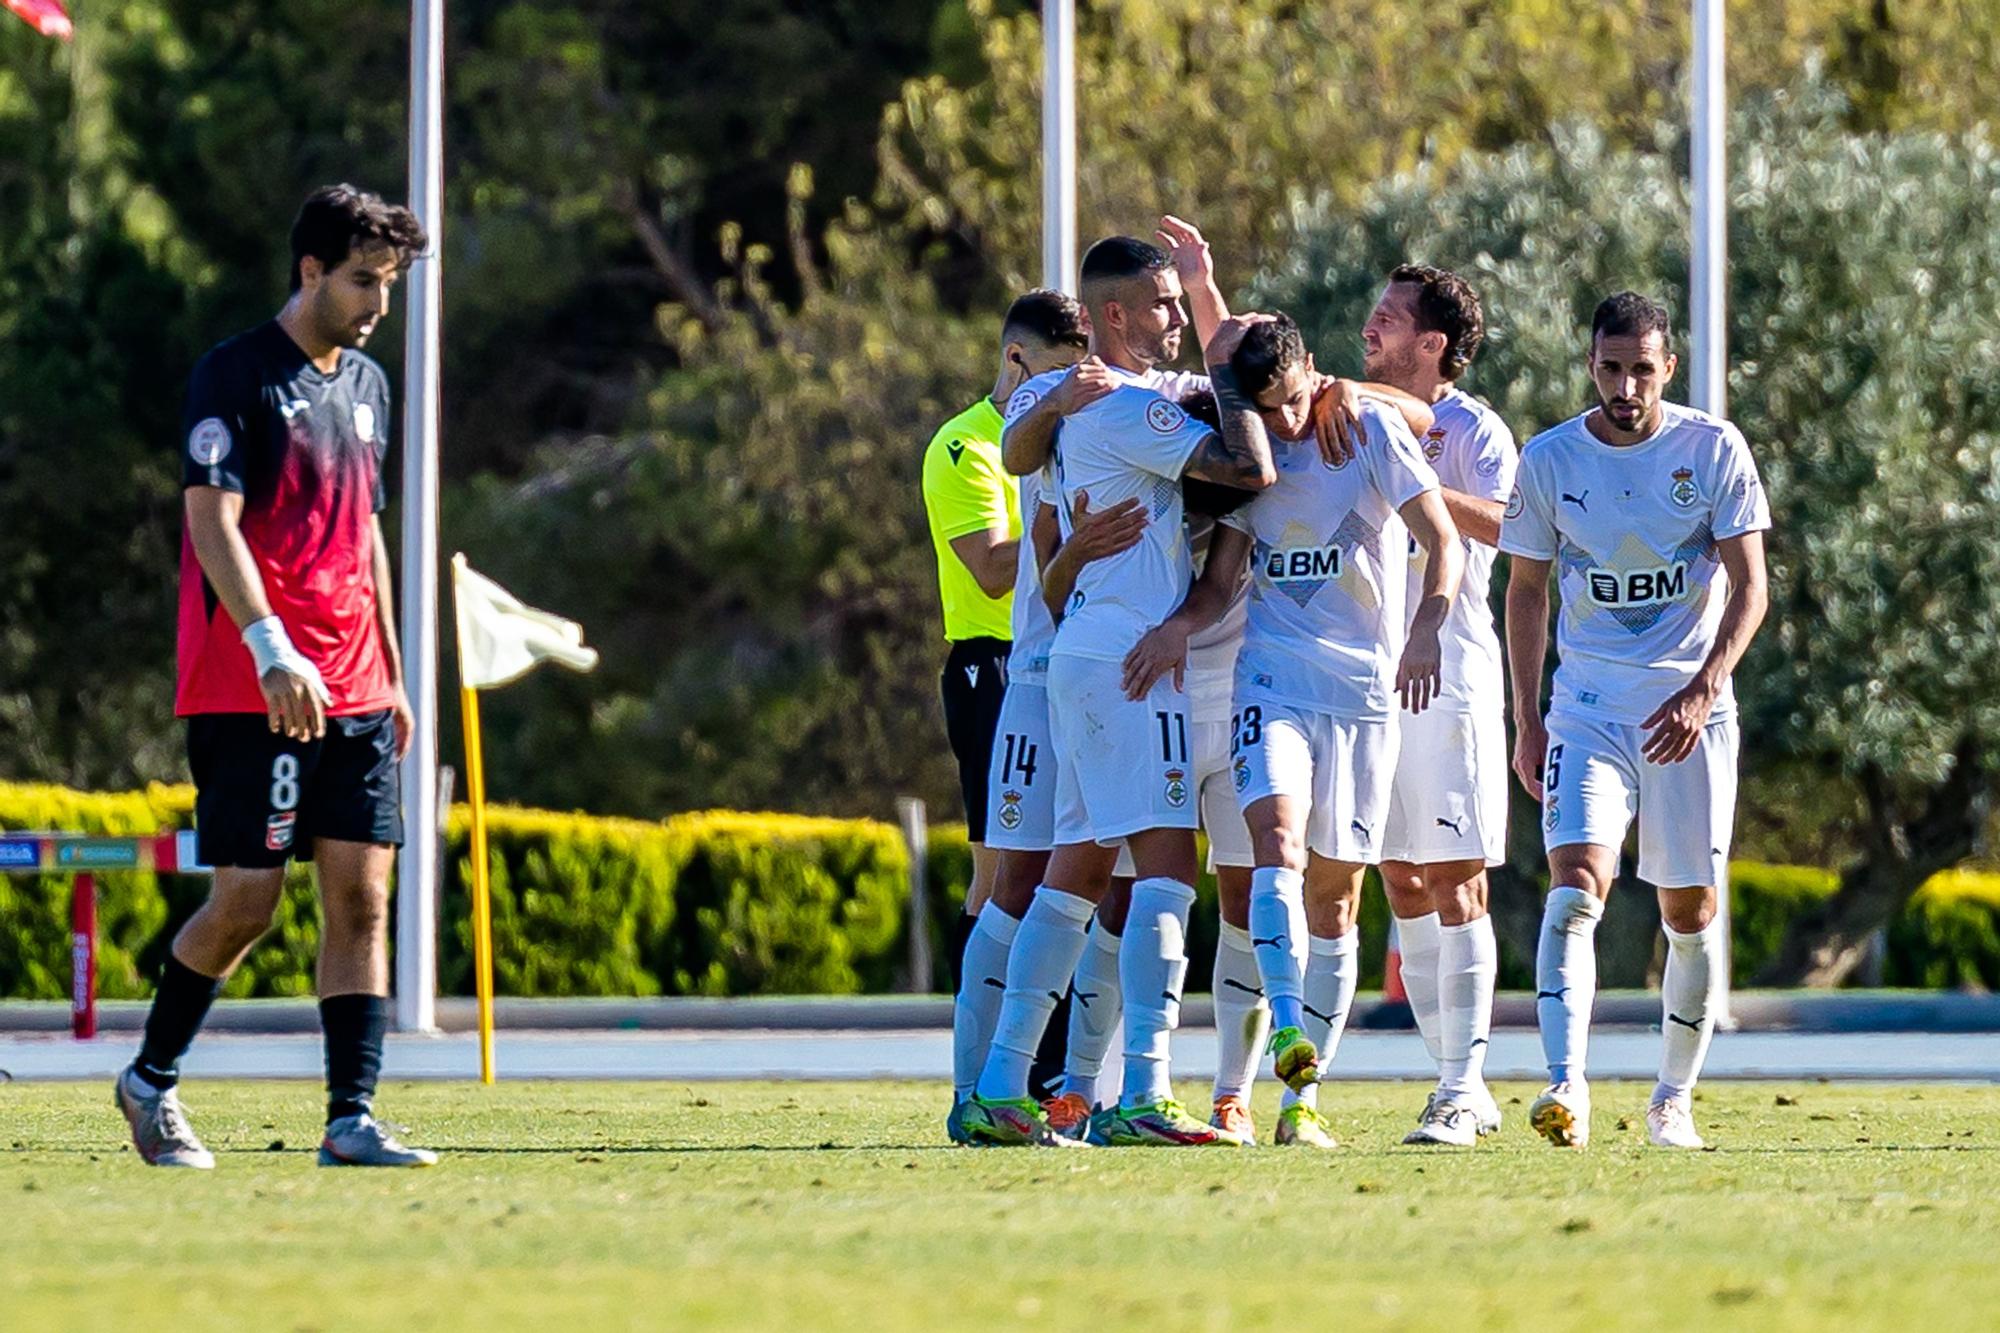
x: 1687, y: 910
x: 1403, y: 885
x: 1279, y: 844
x: 358, y: 911
x: 1458, y: 895
x: 243, y: 917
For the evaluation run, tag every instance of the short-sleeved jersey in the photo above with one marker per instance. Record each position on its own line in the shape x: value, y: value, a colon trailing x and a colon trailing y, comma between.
x: 1034, y: 628
x: 1131, y: 443
x: 1632, y: 530
x: 966, y: 490
x: 1329, y: 570
x: 1473, y: 453
x: 305, y: 450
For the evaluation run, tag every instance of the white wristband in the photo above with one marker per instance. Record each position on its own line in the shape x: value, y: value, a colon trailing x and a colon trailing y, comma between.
x: 271, y: 647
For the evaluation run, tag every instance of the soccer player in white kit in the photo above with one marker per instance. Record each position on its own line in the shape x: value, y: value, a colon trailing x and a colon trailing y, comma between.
x: 1448, y: 813
x: 1653, y: 516
x: 1022, y: 777
x: 1122, y: 764
x: 1327, y: 655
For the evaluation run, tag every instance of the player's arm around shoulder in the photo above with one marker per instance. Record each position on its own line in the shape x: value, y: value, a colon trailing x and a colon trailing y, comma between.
x: 1037, y: 408
x: 1239, y: 454
x: 1488, y: 474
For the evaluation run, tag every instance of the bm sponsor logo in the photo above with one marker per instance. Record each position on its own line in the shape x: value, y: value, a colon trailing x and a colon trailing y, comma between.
x: 1638, y: 587
x: 1289, y: 563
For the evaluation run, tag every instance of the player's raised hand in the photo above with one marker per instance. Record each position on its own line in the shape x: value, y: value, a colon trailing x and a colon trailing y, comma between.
x: 1187, y: 249
x: 1420, y: 675
x: 1098, y: 533
x: 1161, y: 650
x: 1676, y: 724
x: 1336, y: 418
x: 1087, y: 381
x: 1531, y: 743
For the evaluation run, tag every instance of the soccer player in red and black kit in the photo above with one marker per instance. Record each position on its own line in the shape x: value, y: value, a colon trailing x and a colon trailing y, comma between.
x: 290, y: 674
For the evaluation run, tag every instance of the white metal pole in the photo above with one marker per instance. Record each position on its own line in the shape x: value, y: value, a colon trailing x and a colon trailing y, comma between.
x: 417, y: 867
x: 1059, y: 145
x: 1708, y: 292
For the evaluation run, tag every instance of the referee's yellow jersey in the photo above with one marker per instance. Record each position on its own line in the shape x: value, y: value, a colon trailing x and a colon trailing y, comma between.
x: 967, y: 490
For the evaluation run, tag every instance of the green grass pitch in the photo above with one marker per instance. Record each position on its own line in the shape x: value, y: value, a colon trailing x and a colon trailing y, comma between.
x: 819, y: 1205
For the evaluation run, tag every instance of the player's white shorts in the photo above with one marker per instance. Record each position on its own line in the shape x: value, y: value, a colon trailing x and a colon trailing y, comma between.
x: 1221, y: 816
x: 1596, y: 777
x: 1449, y: 802
x: 1021, y: 779
x: 1122, y: 765
x: 1345, y: 768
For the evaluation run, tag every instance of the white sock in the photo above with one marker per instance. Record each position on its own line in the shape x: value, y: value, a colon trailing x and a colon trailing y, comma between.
x: 1417, y: 941
x: 1333, y: 970
x: 1241, y: 1016
x: 1278, y: 937
x: 1094, y: 1005
x: 1687, y: 1001
x: 982, y: 987
x: 1566, y: 979
x: 1151, y: 967
x: 1468, y: 961
x: 1043, y: 959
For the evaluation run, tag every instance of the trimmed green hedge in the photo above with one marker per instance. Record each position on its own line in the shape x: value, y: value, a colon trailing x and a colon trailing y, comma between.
x: 727, y: 903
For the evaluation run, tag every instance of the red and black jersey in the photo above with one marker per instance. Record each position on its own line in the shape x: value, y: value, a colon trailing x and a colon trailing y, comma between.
x: 305, y: 450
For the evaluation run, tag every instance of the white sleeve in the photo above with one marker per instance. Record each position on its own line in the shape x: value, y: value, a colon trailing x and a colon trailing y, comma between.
x: 1529, y: 526
x: 1491, y: 460
x: 1740, y: 504
x: 1146, y: 431
x: 1031, y: 393
x: 1392, y: 458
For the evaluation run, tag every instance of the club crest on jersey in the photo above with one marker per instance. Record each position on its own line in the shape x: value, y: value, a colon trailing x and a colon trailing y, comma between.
x: 1240, y: 772
x: 1176, y: 787
x: 1010, y: 810
x: 1022, y: 400
x: 1165, y: 417
x: 1516, y: 503
x: 364, y: 423
x: 278, y: 830
x: 1554, y: 817
x: 1434, y: 444
x: 208, y: 442
x: 1684, y: 490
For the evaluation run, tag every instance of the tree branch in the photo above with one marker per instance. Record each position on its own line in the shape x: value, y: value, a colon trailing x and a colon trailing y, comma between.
x: 676, y: 272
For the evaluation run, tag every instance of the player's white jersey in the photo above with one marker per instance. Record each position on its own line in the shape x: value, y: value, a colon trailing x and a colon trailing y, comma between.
x: 1633, y: 533
x: 1131, y: 443
x: 1034, y: 627
x: 1329, y: 567
x: 1211, y: 657
x: 1473, y: 453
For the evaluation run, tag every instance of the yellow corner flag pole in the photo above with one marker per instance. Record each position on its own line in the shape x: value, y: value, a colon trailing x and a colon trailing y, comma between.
x: 482, y: 898
x: 500, y: 638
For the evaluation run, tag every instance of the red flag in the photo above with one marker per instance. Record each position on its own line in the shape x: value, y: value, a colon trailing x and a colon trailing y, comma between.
x: 44, y: 16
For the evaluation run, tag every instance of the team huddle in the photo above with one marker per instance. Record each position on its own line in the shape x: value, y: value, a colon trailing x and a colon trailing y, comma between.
x: 1255, y: 602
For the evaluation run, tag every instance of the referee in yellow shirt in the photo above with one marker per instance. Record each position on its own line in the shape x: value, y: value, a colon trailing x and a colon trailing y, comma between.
x: 975, y: 520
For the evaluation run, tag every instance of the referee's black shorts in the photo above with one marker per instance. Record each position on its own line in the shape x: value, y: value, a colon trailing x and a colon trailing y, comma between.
x: 973, y: 683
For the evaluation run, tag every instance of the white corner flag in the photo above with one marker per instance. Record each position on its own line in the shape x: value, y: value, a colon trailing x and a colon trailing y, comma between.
x: 500, y: 637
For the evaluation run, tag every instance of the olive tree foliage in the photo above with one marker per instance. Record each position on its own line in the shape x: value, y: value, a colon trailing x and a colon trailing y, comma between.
x: 1221, y: 113
x: 1864, y: 317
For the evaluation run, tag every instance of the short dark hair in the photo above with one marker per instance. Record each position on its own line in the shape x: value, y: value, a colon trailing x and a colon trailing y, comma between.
x: 1628, y: 314
x: 336, y: 219
x: 1447, y: 304
x: 1117, y: 259
x: 1051, y: 318
x: 1270, y: 347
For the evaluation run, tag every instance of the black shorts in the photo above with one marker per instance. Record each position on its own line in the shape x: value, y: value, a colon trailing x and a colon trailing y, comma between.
x: 261, y: 797
x: 974, y: 682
